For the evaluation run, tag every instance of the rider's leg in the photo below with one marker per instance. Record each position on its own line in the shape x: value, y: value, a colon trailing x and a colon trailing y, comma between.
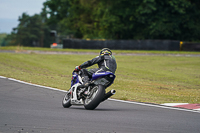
x: 85, y: 78
x: 84, y: 75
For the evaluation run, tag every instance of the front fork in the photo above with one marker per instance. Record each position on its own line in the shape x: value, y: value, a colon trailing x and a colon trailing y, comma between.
x: 74, y: 96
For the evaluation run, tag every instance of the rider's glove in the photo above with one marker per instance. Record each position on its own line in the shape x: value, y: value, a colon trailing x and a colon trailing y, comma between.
x: 77, y: 68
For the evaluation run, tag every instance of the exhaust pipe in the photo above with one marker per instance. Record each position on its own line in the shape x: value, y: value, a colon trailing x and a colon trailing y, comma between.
x: 109, y: 94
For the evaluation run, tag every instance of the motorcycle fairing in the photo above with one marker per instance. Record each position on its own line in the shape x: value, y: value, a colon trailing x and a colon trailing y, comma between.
x: 101, y: 74
x: 106, y: 78
x: 75, y: 79
x: 74, y: 99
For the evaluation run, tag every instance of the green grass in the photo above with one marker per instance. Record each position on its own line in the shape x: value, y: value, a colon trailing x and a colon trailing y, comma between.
x: 153, y: 79
x: 159, y: 79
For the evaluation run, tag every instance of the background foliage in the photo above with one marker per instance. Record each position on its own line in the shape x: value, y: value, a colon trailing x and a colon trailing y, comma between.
x: 113, y: 19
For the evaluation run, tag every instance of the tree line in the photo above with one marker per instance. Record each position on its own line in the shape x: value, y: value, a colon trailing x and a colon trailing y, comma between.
x: 110, y: 19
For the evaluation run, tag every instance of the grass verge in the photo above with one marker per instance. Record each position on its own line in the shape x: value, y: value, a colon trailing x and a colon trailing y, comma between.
x: 153, y: 79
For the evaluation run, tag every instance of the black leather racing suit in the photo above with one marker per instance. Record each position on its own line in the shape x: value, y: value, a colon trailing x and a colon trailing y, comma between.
x: 105, y: 63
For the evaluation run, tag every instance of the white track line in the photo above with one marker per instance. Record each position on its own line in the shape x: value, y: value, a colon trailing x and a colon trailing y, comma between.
x: 2, y: 77
x: 157, y: 105
x: 173, y: 104
x: 197, y: 109
x: 19, y: 81
x: 144, y: 104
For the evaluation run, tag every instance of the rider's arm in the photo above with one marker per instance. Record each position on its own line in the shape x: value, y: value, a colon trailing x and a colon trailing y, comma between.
x: 91, y: 62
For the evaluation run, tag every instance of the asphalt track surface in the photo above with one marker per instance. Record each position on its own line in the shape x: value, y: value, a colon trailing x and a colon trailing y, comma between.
x: 32, y: 109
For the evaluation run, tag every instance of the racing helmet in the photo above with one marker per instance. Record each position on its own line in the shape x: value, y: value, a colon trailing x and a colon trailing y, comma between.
x: 105, y: 51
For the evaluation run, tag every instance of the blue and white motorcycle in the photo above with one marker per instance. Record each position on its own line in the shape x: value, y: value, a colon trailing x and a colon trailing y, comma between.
x: 92, y: 95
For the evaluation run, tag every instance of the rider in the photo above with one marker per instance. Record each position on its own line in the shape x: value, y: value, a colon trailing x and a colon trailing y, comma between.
x: 106, y: 62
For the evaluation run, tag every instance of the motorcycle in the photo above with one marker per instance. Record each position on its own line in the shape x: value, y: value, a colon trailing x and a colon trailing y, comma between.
x: 92, y: 95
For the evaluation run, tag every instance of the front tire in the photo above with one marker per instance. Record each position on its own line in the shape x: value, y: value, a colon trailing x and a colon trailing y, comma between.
x: 95, y: 97
x: 67, y: 100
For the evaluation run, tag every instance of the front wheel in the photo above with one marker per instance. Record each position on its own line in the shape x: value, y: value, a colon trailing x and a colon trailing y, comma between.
x: 67, y: 100
x: 95, y: 97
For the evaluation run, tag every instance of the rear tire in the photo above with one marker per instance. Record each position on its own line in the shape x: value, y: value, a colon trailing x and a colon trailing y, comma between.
x: 67, y: 100
x: 95, y: 97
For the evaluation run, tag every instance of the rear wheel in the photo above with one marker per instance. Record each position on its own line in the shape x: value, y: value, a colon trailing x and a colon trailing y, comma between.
x: 94, y: 98
x: 67, y: 100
